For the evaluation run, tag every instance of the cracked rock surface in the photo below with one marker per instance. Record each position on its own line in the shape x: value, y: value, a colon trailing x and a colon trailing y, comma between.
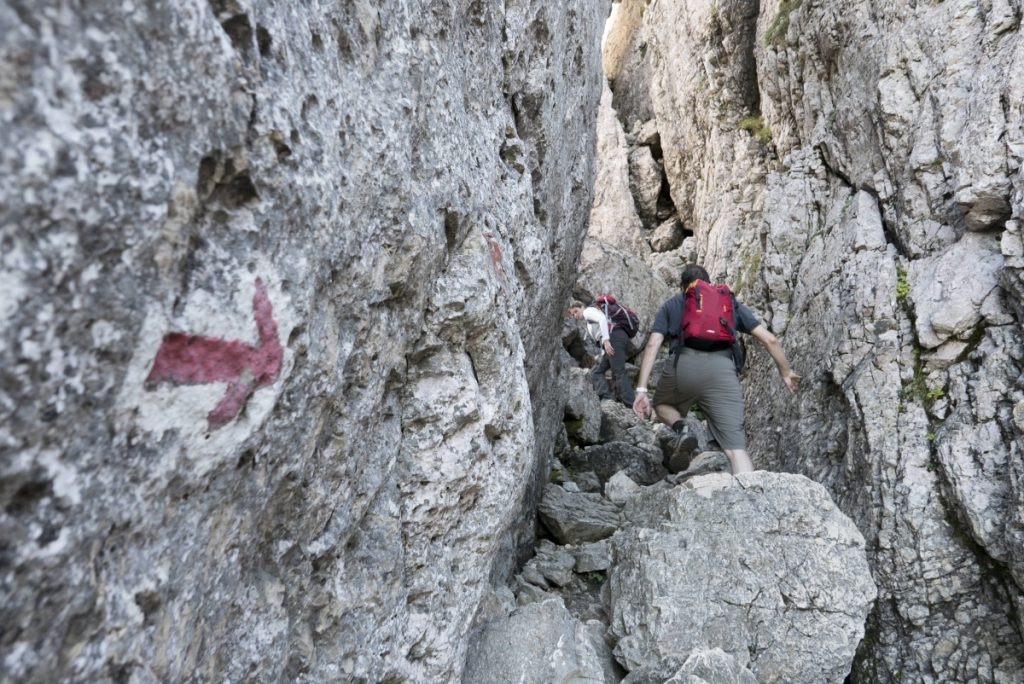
x: 318, y: 215
x: 719, y: 579
x: 763, y: 566
x: 854, y: 173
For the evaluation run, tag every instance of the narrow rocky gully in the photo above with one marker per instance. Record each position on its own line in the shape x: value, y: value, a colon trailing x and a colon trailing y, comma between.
x: 288, y: 392
x: 803, y: 167
x: 659, y: 566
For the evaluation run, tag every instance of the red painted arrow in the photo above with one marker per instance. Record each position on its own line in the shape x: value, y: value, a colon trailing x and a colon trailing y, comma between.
x: 193, y: 360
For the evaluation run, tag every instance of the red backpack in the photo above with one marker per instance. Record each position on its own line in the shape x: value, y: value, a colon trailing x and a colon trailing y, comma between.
x: 708, y: 320
x: 620, y: 316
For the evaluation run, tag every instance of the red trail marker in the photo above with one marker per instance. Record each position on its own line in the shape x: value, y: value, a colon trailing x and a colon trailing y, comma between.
x: 193, y: 360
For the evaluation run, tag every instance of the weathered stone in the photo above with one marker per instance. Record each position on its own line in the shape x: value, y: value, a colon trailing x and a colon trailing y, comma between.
x: 625, y: 64
x: 496, y: 602
x: 667, y: 236
x: 587, y: 481
x: 648, y: 134
x: 620, y: 488
x: 613, y: 217
x: 944, y: 356
x: 777, y: 577
x: 645, y: 183
x: 318, y: 217
x: 582, y: 598
x: 538, y: 643
x: 595, y: 557
x: 617, y: 423
x: 667, y: 266
x: 554, y: 563
x: 643, y: 466
x: 575, y: 518
x: 948, y: 290
x: 536, y: 591
x: 712, y: 666
x: 583, y: 412
x: 689, y: 254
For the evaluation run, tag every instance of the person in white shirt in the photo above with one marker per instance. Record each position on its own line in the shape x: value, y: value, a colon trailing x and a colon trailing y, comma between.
x: 615, y: 345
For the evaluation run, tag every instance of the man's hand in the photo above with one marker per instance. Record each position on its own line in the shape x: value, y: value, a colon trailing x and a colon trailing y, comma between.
x: 792, y: 381
x: 642, y: 405
x: 608, y: 349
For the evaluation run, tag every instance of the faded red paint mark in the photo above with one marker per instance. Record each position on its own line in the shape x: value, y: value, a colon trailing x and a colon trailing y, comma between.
x: 193, y: 360
x: 495, y: 255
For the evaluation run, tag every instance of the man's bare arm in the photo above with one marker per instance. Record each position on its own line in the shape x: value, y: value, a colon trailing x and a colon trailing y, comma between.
x: 642, y: 403
x: 771, y: 343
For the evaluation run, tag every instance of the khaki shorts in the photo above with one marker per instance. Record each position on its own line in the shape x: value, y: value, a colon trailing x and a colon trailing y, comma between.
x: 709, y: 380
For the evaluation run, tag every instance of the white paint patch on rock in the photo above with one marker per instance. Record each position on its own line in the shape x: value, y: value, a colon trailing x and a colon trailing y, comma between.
x: 185, y: 408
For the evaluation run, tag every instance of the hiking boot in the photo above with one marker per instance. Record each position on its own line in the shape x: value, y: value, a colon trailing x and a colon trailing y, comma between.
x: 683, y: 445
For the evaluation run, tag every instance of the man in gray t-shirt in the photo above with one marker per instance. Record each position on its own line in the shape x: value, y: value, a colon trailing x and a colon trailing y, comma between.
x: 704, y: 377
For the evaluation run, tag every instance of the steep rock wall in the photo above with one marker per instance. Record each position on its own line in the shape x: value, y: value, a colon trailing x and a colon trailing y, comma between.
x: 268, y: 407
x: 855, y: 171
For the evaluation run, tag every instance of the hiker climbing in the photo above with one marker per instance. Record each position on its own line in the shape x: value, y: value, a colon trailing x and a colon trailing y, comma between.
x: 612, y: 326
x: 701, y: 324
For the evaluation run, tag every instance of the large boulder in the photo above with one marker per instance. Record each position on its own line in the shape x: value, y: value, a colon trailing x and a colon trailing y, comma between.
x: 775, y: 575
x: 583, y: 415
x: 668, y: 236
x: 642, y: 465
x: 575, y: 517
x: 618, y: 423
x: 645, y: 182
x: 539, y: 643
x: 953, y: 291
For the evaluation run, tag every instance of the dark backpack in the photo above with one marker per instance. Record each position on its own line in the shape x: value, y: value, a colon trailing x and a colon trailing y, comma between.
x: 708, y: 321
x: 620, y: 316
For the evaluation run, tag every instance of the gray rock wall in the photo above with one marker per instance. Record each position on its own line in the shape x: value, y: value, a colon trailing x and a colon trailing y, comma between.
x: 281, y: 291
x: 855, y: 171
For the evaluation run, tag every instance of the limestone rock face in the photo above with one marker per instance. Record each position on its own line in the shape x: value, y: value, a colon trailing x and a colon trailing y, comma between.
x: 763, y: 566
x: 262, y: 404
x: 613, y: 217
x: 645, y: 182
x: 625, y: 63
x: 855, y: 174
x: 615, y: 248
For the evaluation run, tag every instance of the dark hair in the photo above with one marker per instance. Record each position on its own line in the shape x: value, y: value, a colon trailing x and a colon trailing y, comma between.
x: 693, y: 272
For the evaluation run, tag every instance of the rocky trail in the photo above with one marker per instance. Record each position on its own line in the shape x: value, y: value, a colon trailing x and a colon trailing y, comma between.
x: 660, y: 566
x: 287, y: 395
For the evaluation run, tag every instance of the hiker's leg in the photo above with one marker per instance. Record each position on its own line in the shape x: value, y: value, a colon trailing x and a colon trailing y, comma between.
x: 598, y: 380
x: 623, y: 385
x: 676, y: 390
x: 739, y: 460
x: 667, y: 413
x: 722, y: 405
